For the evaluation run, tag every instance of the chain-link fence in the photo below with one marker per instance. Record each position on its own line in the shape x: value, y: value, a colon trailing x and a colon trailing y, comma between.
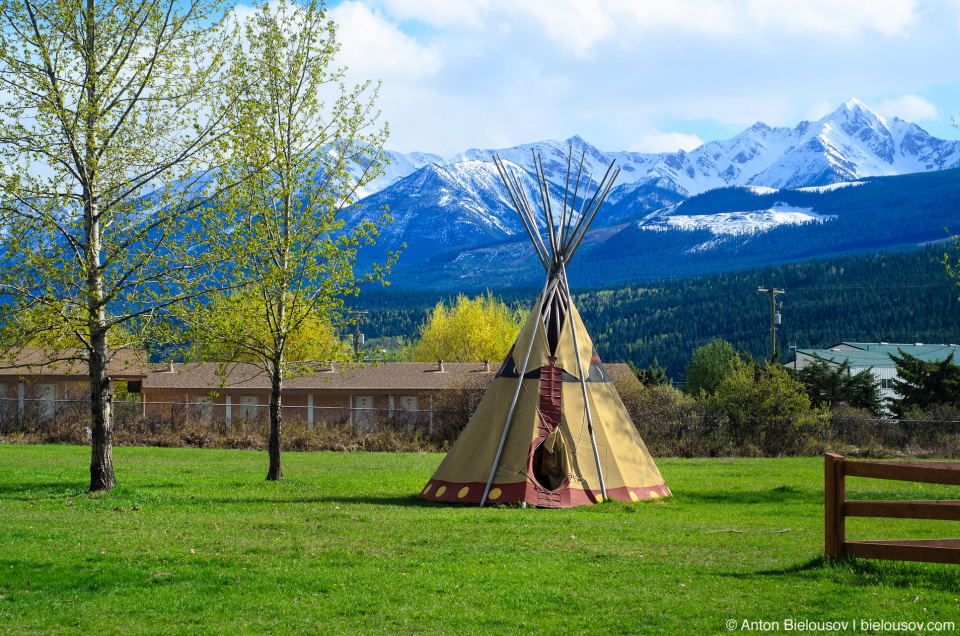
x: 207, y: 424
x: 689, y: 433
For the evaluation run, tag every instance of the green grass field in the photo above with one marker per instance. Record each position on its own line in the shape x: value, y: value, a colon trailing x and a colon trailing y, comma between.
x: 196, y: 542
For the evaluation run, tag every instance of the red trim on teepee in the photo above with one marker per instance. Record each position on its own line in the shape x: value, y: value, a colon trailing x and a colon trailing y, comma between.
x: 529, y: 491
x: 551, y: 394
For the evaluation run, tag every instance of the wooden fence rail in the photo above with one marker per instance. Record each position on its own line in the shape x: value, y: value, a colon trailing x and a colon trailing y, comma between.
x: 837, y: 509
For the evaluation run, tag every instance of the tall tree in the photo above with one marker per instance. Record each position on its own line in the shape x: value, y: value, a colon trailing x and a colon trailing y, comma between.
x: 827, y: 382
x: 924, y: 383
x: 709, y: 365
x: 652, y: 375
x: 300, y: 162
x: 470, y: 330
x: 105, y: 119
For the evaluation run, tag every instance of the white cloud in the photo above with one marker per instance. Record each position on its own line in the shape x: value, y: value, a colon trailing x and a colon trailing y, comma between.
x: 372, y: 47
x: 819, y: 109
x: 743, y: 109
x: 576, y: 25
x: 908, y: 107
x: 439, y: 13
x: 656, y: 141
x: 828, y: 17
x: 484, y: 73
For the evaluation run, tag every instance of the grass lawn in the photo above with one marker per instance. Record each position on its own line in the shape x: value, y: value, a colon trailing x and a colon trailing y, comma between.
x: 196, y: 542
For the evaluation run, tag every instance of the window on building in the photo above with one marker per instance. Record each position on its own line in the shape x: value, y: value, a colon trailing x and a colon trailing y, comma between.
x: 408, y: 402
x: 363, y: 411
x: 203, y: 409
x: 247, y: 407
x: 886, y: 383
x: 47, y: 400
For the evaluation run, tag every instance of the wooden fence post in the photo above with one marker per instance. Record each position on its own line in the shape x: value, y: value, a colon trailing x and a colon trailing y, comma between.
x: 834, y: 496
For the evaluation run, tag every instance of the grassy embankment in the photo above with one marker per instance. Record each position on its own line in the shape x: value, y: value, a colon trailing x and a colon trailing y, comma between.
x: 194, y: 541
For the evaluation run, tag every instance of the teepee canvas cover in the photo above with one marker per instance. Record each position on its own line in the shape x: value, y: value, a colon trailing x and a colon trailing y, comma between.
x: 558, y: 436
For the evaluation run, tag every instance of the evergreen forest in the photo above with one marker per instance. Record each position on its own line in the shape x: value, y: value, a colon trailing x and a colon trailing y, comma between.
x: 902, y: 297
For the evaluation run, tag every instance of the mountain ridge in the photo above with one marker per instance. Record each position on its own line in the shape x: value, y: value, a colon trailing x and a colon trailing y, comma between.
x: 441, y: 204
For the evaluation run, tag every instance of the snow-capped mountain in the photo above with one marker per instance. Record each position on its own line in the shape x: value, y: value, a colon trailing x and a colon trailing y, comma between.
x: 442, y: 203
x: 724, y: 229
x: 399, y: 166
x: 850, y: 143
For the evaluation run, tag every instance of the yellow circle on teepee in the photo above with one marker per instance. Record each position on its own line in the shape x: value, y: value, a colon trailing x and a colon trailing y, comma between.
x: 463, y: 492
x: 441, y: 490
x: 633, y: 496
x: 654, y: 494
x: 495, y: 494
x: 599, y: 498
x: 427, y: 489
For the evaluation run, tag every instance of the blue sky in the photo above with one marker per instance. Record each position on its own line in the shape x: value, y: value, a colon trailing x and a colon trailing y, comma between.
x: 646, y: 75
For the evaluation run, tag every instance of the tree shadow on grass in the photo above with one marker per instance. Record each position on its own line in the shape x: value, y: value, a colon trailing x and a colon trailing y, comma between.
x: 408, y: 501
x: 405, y: 501
x: 780, y: 494
x: 43, y: 490
x: 870, y: 573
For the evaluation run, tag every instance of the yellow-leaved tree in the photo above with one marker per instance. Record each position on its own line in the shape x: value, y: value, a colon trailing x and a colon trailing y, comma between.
x: 470, y: 330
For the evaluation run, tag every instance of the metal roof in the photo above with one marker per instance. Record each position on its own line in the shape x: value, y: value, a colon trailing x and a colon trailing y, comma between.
x: 876, y: 354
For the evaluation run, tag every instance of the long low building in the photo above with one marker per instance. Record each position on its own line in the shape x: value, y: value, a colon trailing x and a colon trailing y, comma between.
x: 37, y: 382
x: 876, y: 357
x: 242, y: 390
x: 34, y: 380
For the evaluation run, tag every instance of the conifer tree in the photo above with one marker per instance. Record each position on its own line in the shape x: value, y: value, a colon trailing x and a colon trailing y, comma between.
x: 829, y: 383
x: 924, y: 383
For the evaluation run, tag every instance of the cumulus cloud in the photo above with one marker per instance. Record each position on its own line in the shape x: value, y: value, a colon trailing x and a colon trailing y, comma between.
x: 909, y: 107
x: 578, y: 26
x: 656, y: 141
x: 439, y: 13
x: 819, y: 109
x: 372, y: 46
x: 486, y: 72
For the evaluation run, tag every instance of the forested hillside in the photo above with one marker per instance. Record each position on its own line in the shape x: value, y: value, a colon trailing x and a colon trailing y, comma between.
x: 900, y: 212
x: 897, y: 297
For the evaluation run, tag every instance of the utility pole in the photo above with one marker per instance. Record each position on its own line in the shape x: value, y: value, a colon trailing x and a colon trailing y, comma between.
x: 773, y: 313
x: 358, y: 317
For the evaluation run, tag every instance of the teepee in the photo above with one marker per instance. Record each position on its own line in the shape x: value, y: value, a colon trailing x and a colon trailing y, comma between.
x: 551, y: 431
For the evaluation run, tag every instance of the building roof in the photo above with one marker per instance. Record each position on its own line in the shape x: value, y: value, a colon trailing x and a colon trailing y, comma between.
x: 399, y: 377
x: 47, y: 361
x: 876, y: 354
x: 396, y: 376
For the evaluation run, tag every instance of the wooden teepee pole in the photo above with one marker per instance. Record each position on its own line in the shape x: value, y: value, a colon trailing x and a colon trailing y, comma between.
x: 583, y: 385
x: 516, y: 394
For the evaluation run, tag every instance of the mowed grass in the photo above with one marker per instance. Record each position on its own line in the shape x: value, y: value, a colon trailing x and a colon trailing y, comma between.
x: 196, y: 542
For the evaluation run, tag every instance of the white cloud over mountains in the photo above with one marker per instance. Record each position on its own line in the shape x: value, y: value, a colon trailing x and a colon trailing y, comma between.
x: 485, y: 73
x: 655, y: 141
x: 909, y: 107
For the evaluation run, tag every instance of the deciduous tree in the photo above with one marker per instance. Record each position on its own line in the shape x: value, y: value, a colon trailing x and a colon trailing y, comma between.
x: 470, y: 330
x: 299, y: 161
x: 105, y: 120
x: 710, y: 364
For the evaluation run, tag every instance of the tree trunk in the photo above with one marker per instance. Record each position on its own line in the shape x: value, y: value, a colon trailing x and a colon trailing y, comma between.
x: 101, y: 400
x: 101, y: 420
x: 276, y: 421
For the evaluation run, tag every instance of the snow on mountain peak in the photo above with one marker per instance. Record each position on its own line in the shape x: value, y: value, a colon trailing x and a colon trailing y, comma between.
x: 850, y: 143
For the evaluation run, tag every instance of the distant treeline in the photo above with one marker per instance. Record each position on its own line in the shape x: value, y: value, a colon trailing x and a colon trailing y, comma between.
x: 902, y: 297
